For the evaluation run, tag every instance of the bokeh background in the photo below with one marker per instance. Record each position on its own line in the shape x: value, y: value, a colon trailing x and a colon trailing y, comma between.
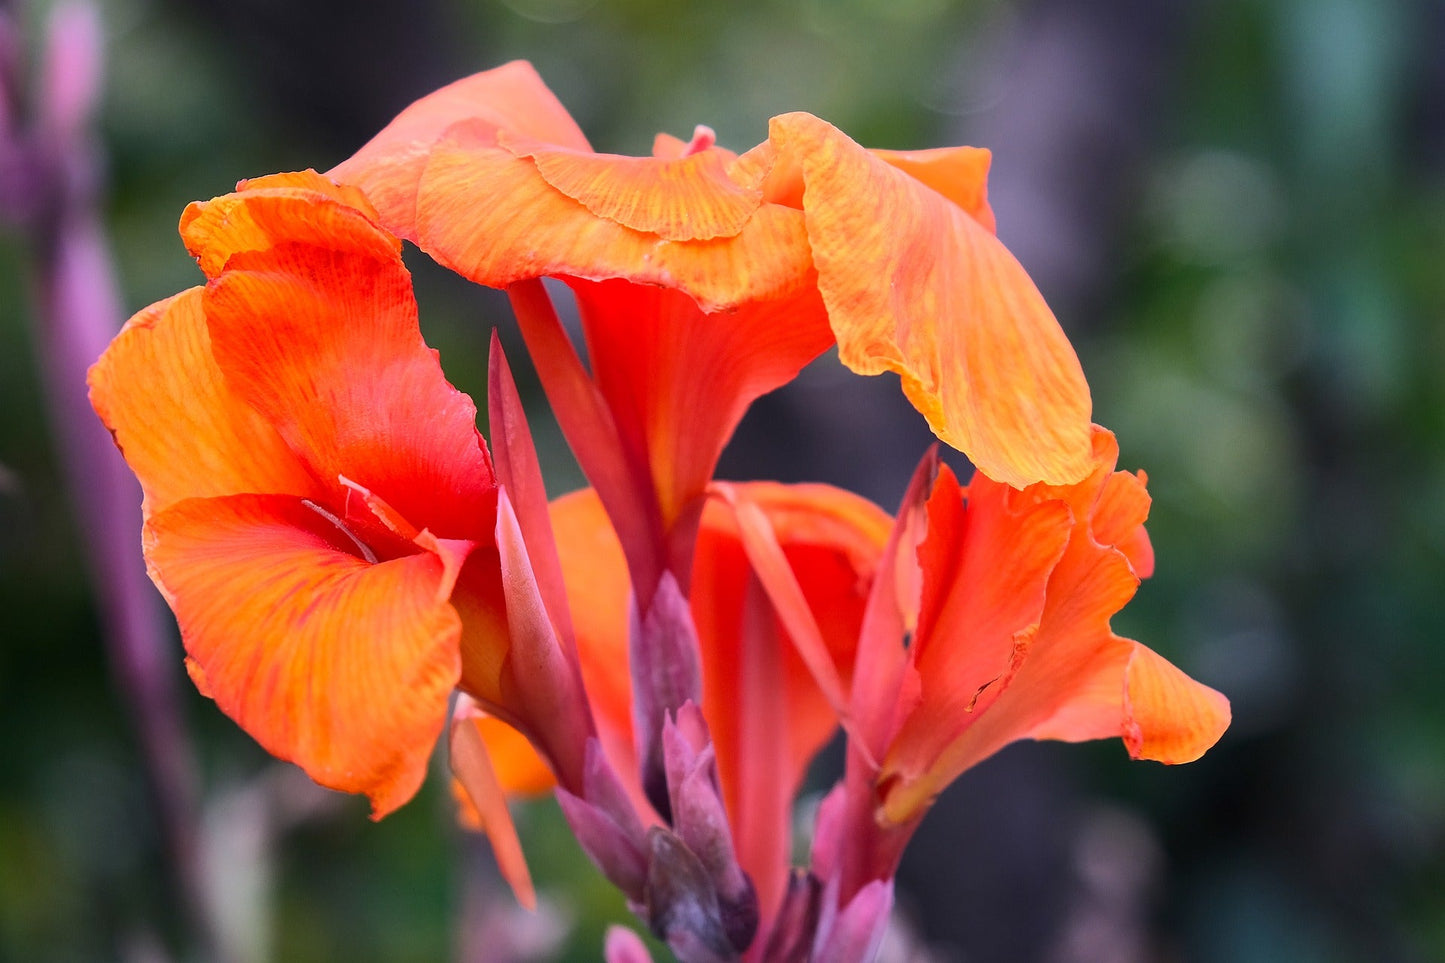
x: 1237, y: 210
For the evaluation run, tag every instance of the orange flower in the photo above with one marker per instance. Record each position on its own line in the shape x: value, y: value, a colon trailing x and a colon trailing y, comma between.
x: 321, y: 512
x: 1013, y: 638
x: 1006, y: 603
x: 706, y: 279
x: 767, y: 716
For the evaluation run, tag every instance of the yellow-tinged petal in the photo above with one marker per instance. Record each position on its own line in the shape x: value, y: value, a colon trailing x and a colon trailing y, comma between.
x: 958, y: 173
x: 183, y: 431
x: 687, y: 198
x: 530, y: 229
x: 1167, y: 715
x: 915, y: 284
x: 511, y: 97
x: 338, y: 664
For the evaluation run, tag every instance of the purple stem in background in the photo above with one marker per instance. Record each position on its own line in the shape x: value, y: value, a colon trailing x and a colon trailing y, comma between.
x: 52, y: 197
x: 78, y: 314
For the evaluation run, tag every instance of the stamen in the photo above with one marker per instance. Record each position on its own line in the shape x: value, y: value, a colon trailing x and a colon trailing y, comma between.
x: 703, y: 137
x: 378, y: 508
x: 361, y: 546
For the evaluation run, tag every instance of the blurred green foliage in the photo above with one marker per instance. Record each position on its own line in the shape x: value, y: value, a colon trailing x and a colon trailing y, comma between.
x: 1270, y: 352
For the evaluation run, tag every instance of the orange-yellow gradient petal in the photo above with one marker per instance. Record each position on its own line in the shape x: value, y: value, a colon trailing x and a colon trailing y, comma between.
x: 686, y: 198
x: 958, y: 173
x: 183, y: 431
x: 332, y: 662
x: 530, y: 229
x: 916, y: 285
x: 511, y: 97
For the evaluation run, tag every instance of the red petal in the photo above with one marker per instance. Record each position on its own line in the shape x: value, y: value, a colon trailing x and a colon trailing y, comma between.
x: 767, y: 713
x: 337, y: 664
x: 678, y: 381
x: 324, y: 344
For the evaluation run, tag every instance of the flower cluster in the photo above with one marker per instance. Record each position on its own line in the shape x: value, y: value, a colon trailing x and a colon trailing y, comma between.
x: 665, y: 651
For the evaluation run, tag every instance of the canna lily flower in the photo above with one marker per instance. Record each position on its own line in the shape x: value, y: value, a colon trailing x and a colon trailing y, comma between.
x: 1005, y: 597
x: 705, y: 279
x: 767, y: 716
x: 321, y: 512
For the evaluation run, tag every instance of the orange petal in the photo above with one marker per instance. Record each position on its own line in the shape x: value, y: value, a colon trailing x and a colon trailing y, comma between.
x: 183, y: 431
x: 510, y: 97
x: 1167, y: 715
x: 958, y: 173
x: 785, y: 595
x: 598, y: 590
x: 832, y: 540
x: 1076, y: 680
x: 986, y: 564
x: 266, y: 211
x: 324, y: 344
x: 767, y: 713
x: 475, y: 769
x: 337, y: 664
x: 529, y: 229
x: 520, y: 770
x: 678, y: 381
x: 915, y: 285
x: 685, y: 198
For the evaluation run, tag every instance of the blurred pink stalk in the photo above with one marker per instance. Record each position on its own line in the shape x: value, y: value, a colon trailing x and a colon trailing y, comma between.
x: 48, y: 191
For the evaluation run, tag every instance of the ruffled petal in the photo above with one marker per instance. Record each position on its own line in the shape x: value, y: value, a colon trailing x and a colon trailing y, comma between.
x: 265, y: 211
x: 685, y: 198
x: 986, y: 566
x: 1074, y: 679
x: 529, y: 229
x: 511, y: 97
x: 330, y: 661
x: 323, y: 342
x: 915, y: 284
x: 183, y: 431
